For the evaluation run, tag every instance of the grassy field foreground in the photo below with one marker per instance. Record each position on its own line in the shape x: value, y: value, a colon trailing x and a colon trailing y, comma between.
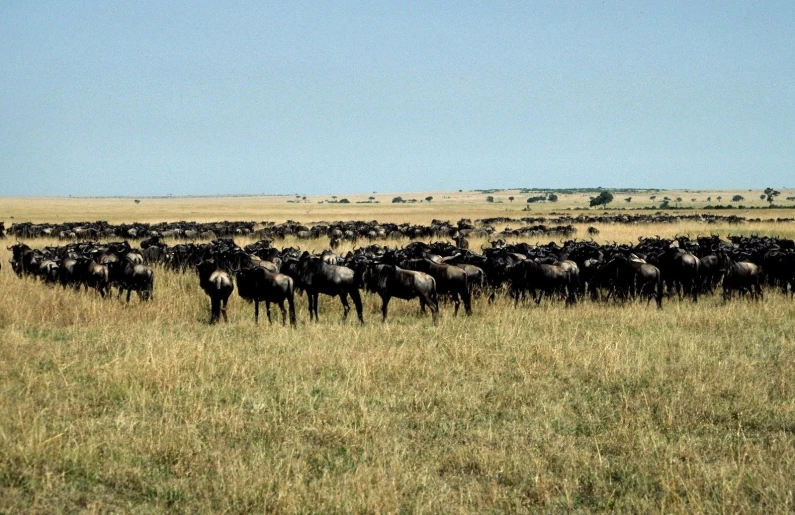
x: 142, y: 407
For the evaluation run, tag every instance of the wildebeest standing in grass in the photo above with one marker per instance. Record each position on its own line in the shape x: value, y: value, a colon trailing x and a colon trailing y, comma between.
x: 128, y: 275
x: 740, y: 276
x: 313, y: 275
x: 91, y: 274
x: 218, y: 285
x: 631, y: 276
x: 257, y: 284
x: 390, y: 281
x: 450, y: 280
x: 530, y: 276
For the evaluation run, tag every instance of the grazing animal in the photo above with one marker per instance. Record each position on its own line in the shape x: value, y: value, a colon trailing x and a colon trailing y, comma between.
x: 390, y: 281
x: 530, y: 276
x: 740, y: 276
x: 315, y: 276
x: 128, y: 274
x: 91, y: 274
x: 257, y: 284
x: 450, y: 279
x: 217, y: 285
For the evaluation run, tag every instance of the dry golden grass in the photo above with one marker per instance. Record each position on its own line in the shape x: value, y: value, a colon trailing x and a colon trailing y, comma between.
x: 145, y: 408
x: 445, y: 206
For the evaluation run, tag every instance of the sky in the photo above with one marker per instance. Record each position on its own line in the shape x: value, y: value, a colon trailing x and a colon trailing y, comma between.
x: 202, y: 98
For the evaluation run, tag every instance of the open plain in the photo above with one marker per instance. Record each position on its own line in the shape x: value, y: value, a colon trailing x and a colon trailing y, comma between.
x: 143, y: 407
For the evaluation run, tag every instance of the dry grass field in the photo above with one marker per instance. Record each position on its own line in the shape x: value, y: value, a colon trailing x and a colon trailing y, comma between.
x: 109, y: 407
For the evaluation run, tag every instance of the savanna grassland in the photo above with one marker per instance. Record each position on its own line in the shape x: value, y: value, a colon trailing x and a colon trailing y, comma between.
x: 598, y: 407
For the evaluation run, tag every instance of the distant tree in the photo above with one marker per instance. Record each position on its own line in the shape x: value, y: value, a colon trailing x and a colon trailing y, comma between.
x: 628, y: 200
x: 137, y: 201
x: 665, y: 204
x: 552, y: 197
x: 428, y: 199
x: 738, y: 198
x: 344, y: 201
x: 678, y: 200
x: 489, y: 199
x: 510, y: 198
x: 763, y: 196
x: 537, y: 198
x: 370, y: 198
x: 653, y: 197
x: 398, y: 200
x: 718, y: 198
x: 709, y: 199
x: 603, y: 199
x: 692, y: 200
x: 770, y: 193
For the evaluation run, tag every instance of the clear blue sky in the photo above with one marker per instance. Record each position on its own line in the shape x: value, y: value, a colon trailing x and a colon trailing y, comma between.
x: 175, y: 97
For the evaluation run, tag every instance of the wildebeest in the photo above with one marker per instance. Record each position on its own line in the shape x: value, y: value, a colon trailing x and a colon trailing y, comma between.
x: 740, y: 276
x: 23, y: 259
x: 631, y: 276
x: 92, y: 275
x: 390, y: 281
x: 257, y: 284
x: 129, y: 275
x: 314, y: 276
x: 450, y: 279
x: 217, y: 285
x: 680, y: 271
x: 530, y: 276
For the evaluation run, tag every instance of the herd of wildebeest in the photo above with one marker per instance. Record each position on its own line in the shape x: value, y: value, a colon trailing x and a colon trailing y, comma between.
x: 654, y: 268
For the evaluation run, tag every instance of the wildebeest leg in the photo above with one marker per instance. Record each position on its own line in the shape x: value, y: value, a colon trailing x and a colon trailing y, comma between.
x: 215, y: 309
x: 284, y: 313
x: 456, y: 302
x: 315, y: 302
x: 467, y: 298
x: 384, y: 306
x: 223, y: 309
x: 422, y: 306
x: 357, y: 302
x: 345, y: 306
x: 310, y: 299
x: 291, y: 306
x: 256, y: 311
x: 129, y: 292
x: 434, y: 309
x: 268, y: 311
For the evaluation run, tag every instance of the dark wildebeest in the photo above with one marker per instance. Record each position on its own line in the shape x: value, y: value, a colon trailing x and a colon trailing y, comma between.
x: 633, y: 276
x: 23, y: 260
x: 390, y: 281
x: 710, y: 272
x: 91, y: 274
x: 680, y: 271
x: 313, y: 275
x: 450, y: 279
x: 217, y: 285
x: 257, y: 284
x: 48, y: 271
x: 67, y: 274
x: 530, y: 276
x: 741, y: 276
x: 128, y: 275
x: 476, y: 278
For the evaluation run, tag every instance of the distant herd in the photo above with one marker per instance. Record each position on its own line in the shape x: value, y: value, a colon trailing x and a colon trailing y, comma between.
x: 654, y: 268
